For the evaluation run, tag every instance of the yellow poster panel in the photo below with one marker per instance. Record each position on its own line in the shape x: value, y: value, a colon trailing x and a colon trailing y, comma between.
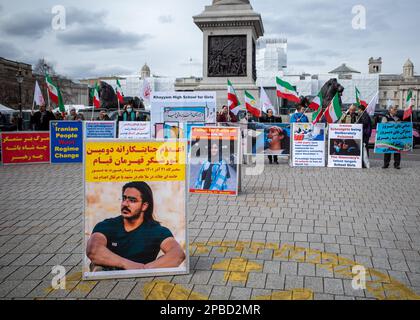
x: 135, y: 161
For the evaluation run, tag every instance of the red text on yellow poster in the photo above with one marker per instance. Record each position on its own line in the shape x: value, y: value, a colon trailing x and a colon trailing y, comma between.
x: 25, y: 147
x: 135, y: 161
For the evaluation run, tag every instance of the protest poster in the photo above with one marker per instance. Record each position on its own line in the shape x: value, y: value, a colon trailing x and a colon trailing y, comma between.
x: 345, y: 146
x: 135, y: 209
x: 394, y: 137
x: 25, y: 147
x: 183, y: 107
x: 66, y: 141
x: 134, y: 130
x: 214, y: 160
x: 100, y: 129
x: 267, y: 139
x: 308, y: 145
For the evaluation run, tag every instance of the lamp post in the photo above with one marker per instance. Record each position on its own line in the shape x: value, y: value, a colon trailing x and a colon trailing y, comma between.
x: 19, y: 79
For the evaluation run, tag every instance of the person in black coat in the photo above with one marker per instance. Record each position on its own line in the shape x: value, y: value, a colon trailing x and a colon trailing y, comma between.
x: 366, y: 121
x: 391, y: 116
x: 270, y: 118
x: 40, y: 120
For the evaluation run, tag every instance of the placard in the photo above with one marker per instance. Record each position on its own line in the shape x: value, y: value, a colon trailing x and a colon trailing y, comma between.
x: 345, y: 146
x: 394, y: 137
x: 134, y: 130
x: 214, y: 160
x: 267, y: 139
x: 25, y: 147
x: 100, y: 129
x: 135, y: 209
x: 308, y: 145
x: 66, y: 141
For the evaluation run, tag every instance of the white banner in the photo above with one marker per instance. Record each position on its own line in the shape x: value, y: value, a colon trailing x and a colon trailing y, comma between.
x: 134, y: 130
x: 308, y: 145
x: 345, y: 146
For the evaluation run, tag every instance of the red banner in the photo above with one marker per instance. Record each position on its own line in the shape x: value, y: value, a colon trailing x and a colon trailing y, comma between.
x: 25, y: 147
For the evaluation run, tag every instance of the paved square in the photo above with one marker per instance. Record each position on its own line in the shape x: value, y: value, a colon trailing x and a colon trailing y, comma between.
x: 291, y: 234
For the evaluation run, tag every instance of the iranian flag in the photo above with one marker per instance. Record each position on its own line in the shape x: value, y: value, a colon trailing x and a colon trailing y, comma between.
x: 96, y: 99
x: 120, y: 95
x: 317, y: 102
x: 251, y: 105
x: 286, y: 91
x: 233, y: 101
x: 333, y: 112
x: 408, y: 112
x: 359, y: 101
x: 54, y: 93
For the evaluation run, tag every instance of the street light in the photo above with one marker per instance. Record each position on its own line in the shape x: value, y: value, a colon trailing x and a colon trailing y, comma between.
x: 19, y: 79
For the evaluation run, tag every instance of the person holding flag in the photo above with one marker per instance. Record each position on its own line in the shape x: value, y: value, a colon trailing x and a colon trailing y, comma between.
x: 391, y: 116
x: 299, y: 116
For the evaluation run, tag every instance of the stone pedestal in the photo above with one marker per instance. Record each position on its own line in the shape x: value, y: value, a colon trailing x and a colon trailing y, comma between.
x: 230, y: 32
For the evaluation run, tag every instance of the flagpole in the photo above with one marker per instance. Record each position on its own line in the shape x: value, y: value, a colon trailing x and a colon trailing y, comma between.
x: 303, y: 114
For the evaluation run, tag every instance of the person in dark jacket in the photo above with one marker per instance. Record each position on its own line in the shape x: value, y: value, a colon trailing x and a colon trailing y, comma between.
x: 366, y: 121
x: 391, y: 116
x: 270, y: 118
x: 226, y: 116
x: 40, y: 120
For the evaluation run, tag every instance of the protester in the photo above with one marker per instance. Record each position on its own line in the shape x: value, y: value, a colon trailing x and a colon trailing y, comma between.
x: 80, y: 117
x: 270, y: 118
x: 103, y: 116
x: 391, y: 116
x: 40, y: 120
x: 226, y: 115
x: 299, y: 116
x: 365, y: 120
x: 251, y: 118
x: 73, y: 116
x: 128, y: 114
x: 58, y: 116
x: 350, y: 117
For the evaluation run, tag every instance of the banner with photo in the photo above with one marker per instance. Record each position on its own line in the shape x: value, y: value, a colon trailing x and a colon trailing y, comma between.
x: 308, y: 145
x: 100, y: 129
x: 25, y: 147
x: 345, y: 146
x: 394, y: 137
x: 66, y: 141
x: 134, y: 130
x: 267, y: 139
x: 135, y: 209
x: 183, y: 107
x: 214, y: 160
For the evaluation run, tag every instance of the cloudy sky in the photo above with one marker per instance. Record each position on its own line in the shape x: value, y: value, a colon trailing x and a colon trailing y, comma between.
x: 117, y: 37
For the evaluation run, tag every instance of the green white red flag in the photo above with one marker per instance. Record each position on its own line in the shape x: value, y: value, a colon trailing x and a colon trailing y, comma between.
x: 233, y: 101
x: 333, y: 112
x: 408, y: 112
x: 120, y: 95
x: 251, y: 105
x: 317, y: 102
x: 96, y: 99
x: 54, y: 93
x: 286, y: 91
x: 359, y: 100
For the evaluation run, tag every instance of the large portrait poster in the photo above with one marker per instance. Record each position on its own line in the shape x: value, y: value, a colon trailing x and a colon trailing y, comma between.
x: 25, y: 147
x: 214, y: 160
x: 394, y: 137
x: 183, y: 107
x: 134, y: 130
x: 66, y: 141
x: 345, y: 146
x: 308, y: 145
x: 267, y: 139
x: 135, y: 209
x: 100, y: 129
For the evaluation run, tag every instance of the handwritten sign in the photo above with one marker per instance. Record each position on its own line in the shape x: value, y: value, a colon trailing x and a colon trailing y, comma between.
x: 66, y: 141
x: 345, y: 146
x: 134, y: 130
x: 136, y: 161
x: 100, y: 129
x: 25, y: 147
x: 394, y: 137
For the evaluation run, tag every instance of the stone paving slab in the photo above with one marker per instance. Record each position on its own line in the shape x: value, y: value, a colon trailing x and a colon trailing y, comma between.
x: 291, y: 234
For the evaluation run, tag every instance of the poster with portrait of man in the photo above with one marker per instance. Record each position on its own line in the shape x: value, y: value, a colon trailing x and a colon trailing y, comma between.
x: 135, y: 216
x: 214, y: 160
